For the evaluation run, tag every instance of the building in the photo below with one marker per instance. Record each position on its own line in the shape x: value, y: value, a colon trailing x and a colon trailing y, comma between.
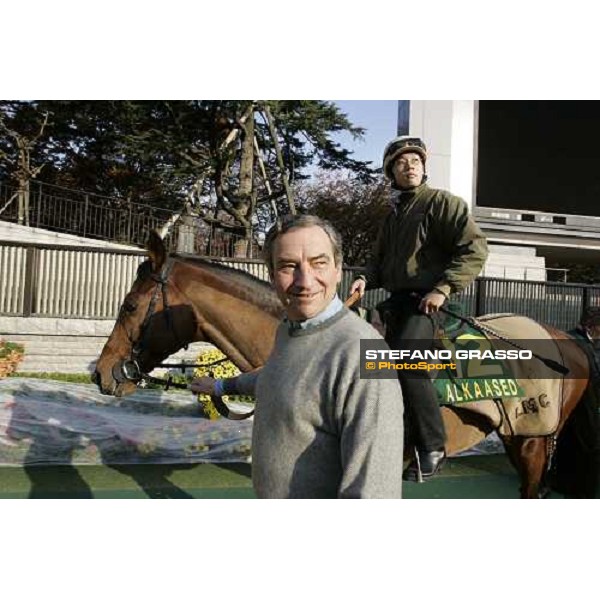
x: 527, y: 169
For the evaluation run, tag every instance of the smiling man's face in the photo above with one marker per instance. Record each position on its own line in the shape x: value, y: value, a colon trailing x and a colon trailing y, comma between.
x: 305, y: 275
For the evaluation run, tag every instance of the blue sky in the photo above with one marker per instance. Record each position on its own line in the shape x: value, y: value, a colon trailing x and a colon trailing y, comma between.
x: 379, y: 118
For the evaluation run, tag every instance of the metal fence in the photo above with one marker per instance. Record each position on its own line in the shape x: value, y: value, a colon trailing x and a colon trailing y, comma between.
x: 60, y: 281
x: 80, y: 213
x: 115, y: 220
x: 557, y: 304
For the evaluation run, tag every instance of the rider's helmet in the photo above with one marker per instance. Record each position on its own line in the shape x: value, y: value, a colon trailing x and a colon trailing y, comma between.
x: 400, y: 145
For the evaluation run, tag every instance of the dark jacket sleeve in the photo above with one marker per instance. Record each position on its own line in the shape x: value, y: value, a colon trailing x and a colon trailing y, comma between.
x: 464, y: 241
x: 373, y: 268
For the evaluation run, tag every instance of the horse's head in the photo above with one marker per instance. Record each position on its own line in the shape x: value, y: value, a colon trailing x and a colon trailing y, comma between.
x: 155, y: 320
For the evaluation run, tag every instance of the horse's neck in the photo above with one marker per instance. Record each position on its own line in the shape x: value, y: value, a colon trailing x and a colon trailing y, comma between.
x: 246, y: 344
x: 240, y: 327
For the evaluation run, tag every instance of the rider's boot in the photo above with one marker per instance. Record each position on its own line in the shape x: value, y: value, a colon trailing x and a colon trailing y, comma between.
x: 425, y: 465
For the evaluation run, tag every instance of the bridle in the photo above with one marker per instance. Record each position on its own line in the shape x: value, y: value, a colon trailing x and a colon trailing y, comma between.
x: 129, y: 370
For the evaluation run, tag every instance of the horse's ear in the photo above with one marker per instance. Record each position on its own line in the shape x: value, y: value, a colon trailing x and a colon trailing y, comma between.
x: 157, y: 252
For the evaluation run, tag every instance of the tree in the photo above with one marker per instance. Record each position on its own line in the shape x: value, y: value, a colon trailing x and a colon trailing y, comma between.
x: 356, y: 210
x: 23, y: 145
x: 231, y: 163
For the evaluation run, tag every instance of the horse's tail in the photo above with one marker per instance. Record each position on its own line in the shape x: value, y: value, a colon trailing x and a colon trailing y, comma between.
x: 575, y: 470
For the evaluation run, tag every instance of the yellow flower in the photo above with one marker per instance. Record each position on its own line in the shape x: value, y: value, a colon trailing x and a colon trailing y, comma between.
x: 223, y: 370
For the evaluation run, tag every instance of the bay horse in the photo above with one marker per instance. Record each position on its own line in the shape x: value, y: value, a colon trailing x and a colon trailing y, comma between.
x: 180, y: 299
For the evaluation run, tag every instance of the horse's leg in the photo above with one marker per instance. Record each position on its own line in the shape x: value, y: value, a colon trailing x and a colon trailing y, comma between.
x: 464, y: 429
x: 529, y: 456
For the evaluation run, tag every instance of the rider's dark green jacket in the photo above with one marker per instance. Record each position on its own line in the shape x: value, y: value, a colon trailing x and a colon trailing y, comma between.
x: 429, y: 240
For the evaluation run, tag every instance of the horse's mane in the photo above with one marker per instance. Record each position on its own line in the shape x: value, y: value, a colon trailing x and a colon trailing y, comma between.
x: 240, y: 283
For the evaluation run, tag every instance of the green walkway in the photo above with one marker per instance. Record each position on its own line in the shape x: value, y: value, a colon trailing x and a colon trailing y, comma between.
x: 489, y: 476
x: 467, y: 477
x: 135, y: 481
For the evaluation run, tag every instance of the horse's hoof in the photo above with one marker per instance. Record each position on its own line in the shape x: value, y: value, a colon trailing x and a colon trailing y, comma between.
x: 544, y: 492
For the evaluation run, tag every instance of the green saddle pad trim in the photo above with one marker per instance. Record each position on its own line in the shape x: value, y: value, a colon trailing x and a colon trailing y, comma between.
x: 452, y: 324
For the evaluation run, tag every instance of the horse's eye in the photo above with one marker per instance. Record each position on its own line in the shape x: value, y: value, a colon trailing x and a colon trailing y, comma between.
x: 129, y: 307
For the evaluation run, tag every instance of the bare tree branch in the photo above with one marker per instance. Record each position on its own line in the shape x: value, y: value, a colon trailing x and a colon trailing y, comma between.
x: 185, y: 209
x: 10, y: 201
x: 266, y: 181
x: 236, y: 131
x: 280, y: 163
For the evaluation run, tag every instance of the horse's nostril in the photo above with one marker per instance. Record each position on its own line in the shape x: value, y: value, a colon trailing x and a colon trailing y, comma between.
x: 95, y: 377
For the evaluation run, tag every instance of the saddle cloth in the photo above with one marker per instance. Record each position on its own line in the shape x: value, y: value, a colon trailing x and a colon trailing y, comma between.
x: 519, y: 397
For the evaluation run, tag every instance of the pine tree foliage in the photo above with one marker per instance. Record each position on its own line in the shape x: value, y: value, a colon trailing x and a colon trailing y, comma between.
x: 216, y: 159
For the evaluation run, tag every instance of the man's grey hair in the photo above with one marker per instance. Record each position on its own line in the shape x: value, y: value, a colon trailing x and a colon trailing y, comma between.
x: 288, y: 222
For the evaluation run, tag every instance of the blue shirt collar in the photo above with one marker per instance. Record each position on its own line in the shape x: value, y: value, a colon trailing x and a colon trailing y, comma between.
x: 332, y: 308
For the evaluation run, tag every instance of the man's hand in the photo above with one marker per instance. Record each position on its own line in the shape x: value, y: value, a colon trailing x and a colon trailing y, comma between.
x: 358, y: 285
x: 432, y: 302
x: 203, y: 385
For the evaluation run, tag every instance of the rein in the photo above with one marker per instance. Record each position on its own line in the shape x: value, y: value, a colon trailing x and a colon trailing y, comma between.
x: 552, y: 364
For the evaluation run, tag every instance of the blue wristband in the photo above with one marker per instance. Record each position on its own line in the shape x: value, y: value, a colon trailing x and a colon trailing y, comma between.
x: 229, y: 386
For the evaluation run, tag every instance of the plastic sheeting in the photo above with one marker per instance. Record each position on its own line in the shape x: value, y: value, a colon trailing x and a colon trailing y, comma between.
x: 55, y: 423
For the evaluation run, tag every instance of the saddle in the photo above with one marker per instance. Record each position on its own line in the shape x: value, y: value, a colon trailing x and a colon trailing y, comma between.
x: 518, y: 396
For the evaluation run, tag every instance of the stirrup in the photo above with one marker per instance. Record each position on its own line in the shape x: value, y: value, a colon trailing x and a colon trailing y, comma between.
x: 415, y: 462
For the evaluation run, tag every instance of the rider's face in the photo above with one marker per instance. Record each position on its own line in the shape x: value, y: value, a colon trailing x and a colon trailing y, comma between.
x: 305, y: 275
x: 408, y: 170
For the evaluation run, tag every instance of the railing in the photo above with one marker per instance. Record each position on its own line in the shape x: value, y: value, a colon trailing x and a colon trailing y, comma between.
x: 60, y: 281
x: 195, y: 236
x: 86, y: 214
x: 115, y: 220
x: 557, y: 304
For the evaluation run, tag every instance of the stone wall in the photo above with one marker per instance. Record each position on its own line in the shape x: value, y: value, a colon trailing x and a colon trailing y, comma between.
x: 66, y: 345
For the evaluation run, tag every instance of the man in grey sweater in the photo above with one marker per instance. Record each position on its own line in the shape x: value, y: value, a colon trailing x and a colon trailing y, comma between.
x: 320, y: 431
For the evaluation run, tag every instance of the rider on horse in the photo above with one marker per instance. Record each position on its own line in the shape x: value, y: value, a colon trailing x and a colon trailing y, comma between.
x: 427, y: 248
